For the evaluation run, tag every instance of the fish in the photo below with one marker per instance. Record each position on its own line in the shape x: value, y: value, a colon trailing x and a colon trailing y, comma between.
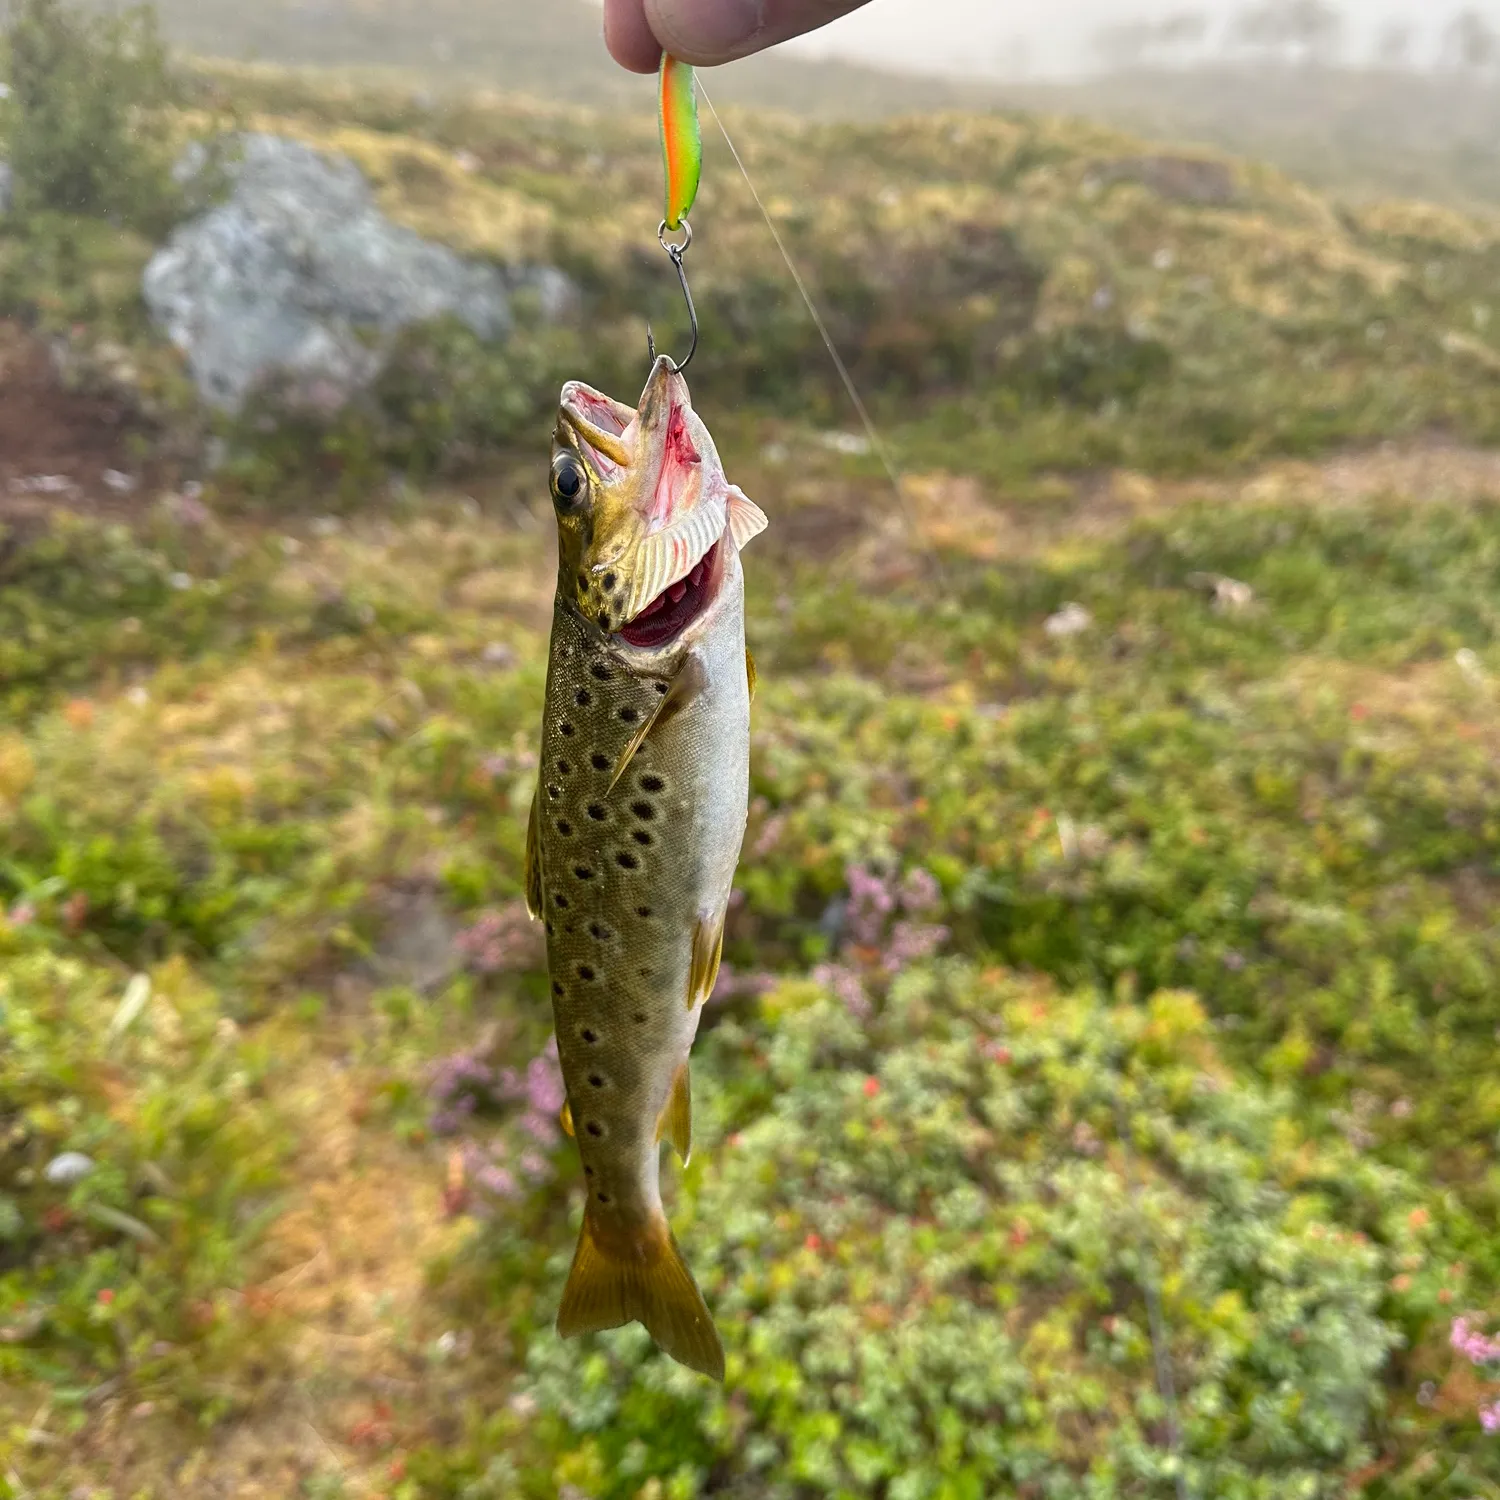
x: 637, y: 823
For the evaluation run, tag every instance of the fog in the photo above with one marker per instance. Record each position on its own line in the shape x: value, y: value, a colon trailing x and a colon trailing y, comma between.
x: 1054, y: 38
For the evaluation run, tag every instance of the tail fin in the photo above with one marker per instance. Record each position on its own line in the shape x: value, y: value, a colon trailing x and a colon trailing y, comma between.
x: 652, y: 1286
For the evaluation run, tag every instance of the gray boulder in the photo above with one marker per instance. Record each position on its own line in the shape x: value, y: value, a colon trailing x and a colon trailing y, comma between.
x: 298, y: 283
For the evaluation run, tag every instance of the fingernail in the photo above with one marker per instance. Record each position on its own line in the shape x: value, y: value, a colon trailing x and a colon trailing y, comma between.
x: 709, y: 27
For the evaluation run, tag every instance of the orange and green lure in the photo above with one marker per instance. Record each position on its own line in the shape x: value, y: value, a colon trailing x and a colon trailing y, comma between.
x: 681, y: 139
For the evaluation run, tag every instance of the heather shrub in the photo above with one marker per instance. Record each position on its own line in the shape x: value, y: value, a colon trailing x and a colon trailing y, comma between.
x: 928, y: 1235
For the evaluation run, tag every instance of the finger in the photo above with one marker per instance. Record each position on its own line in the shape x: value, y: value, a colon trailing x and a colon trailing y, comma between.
x: 716, y: 31
x: 629, y: 38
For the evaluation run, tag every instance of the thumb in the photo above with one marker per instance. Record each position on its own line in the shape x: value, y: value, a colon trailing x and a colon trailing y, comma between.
x: 705, y: 32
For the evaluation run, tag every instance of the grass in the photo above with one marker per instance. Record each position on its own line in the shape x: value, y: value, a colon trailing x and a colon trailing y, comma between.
x: 1117, y: 909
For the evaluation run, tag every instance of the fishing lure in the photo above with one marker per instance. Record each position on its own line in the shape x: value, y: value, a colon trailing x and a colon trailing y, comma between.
x: 682, y: 161
x: 642, y: 798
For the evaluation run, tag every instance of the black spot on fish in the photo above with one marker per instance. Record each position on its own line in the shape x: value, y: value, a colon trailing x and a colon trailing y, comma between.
x: 589, y: 1036
x: 652, y: 784
x: 565, y: 828
x: 599, y: 762
x: 597, y: 813
x: 603, y: 620
x: 550, y: 928
x: 639, y: 1018
x: 662, y: 687
x: 588, y: 1171
x: 643, y: 810
x: 585, y: 973
x: 641, y: 837
x: 565, y: 729
x: 643, y: 911
x: 561, y: 901
x: 583, y: 697
x: 594, y: 1128
x: 600, y: 672
x: 583, y: 583
x: 596, y: 1081
x: 583, y: 872
x: 629, y: 715
x: 554, y: 792
x: 602, y: 1197
x: 557, y: 988
x: 565, y: 768
x: 627, y: 861
x: 609, y: 583
x: 599, y: 931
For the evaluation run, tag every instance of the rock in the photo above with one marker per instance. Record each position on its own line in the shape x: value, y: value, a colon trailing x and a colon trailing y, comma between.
x: 297, y: 283
x: 7, y: 188
x: 1070, y: 620
x: 70, y: 1167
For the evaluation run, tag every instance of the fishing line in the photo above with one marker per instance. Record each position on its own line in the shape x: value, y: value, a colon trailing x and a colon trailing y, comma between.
x: 877, y: 443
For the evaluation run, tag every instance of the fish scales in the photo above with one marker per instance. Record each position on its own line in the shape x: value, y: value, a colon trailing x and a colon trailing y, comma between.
x: 642, y: 798
x: 629, y: 873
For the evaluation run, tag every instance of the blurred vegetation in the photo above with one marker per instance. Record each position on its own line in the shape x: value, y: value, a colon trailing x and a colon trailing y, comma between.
x: 87, y: 123
x: 1115, y: 944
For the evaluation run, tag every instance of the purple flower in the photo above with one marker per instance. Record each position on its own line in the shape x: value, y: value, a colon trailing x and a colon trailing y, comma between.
x: 770, y: 836
x: 920, y: 893
x: 539, y: 1127
x: 1472, y: 1344
x: 535, y: 1165
x: 910, y: 943
x: 871, y: 901
x: 846, y: 986
x: 496, y: 1180
x: 1489, y: 1417
x: 544, y: 1086
x: 500, y: 940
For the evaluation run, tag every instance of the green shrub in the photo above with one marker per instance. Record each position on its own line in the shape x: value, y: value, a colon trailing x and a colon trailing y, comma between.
x: 926, y: 1237
x: 87, y: 121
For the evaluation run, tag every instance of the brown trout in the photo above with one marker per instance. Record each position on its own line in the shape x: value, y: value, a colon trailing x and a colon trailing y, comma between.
x: 636, y: 828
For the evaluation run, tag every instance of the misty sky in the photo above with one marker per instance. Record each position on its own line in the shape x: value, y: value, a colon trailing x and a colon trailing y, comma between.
x: 982, y: 35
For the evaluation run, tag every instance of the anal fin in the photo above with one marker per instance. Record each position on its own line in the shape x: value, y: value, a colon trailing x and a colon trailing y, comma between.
x: 708, y: 950
x: 534, y: 901
x: 676, y: 1123
x: 686, y: 686
x: 565, y: 1119
x: 642, y: 1278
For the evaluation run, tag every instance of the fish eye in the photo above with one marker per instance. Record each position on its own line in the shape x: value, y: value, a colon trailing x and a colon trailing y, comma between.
x: 568, y: 480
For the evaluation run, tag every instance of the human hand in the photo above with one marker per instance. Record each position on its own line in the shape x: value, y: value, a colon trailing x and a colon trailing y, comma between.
x: 709, y: 31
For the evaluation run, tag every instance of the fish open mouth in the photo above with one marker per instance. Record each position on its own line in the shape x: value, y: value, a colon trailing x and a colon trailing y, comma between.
x: 676, y: 607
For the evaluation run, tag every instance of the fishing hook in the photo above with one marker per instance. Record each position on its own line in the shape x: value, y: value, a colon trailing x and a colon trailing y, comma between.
x: 675, y: 254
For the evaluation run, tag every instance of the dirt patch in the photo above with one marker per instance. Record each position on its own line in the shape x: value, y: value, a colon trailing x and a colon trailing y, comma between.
x: 60, y: 446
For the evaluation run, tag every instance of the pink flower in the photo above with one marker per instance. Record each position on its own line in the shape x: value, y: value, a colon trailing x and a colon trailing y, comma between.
x: 846, y: 986
x: 1472, y: 1344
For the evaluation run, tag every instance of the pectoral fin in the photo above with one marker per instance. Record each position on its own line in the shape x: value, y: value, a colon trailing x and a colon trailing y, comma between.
x: 708, y: 949
x: 565, y: 1119
x: 751, y: 673
x: 534, y: 900
x: 746, y: 519
x: 689, y: 682
x: 676, y: 1123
